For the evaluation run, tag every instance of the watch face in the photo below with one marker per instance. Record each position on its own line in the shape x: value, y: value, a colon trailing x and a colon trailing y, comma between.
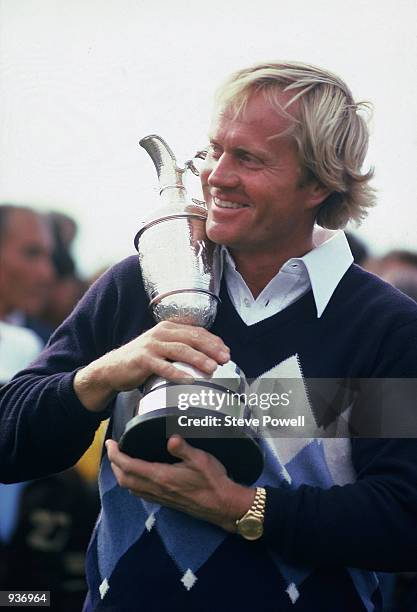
x: 251, y: 528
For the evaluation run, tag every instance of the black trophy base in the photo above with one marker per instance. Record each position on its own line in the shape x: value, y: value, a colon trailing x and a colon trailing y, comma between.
x: 146, y: 435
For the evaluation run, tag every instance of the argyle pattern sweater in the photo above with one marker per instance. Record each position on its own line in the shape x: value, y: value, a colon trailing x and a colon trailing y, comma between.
x: 338, y: 511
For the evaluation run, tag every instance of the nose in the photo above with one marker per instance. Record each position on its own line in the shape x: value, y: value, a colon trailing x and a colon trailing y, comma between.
x: 223, y: 173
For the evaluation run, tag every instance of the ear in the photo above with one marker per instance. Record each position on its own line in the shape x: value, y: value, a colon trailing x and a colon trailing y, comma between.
x: 316, y: 194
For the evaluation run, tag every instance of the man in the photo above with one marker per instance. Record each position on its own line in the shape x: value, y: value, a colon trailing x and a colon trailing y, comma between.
x: 286, y: 148
x: 43, y: 529
x: 26, y: 270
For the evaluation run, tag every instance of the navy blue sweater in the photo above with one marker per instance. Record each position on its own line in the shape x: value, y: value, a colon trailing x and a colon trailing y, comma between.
x: 367, y: 330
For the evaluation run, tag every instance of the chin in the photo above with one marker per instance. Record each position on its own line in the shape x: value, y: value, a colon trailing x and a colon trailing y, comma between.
x: 217, y: 236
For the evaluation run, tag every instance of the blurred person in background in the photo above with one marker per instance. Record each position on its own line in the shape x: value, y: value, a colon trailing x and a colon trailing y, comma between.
x: 26, y: 270
x: 67, y: 287
x: 399, y: 268
x: 45, y: 526
x: 44, y: 529
x: 18, y: 348
x: 65, y: 291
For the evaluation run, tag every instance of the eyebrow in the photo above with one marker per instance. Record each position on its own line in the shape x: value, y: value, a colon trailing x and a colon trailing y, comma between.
x: 242, y: 149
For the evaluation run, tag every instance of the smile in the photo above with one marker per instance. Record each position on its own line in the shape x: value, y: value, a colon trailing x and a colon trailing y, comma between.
x: 227, y: 204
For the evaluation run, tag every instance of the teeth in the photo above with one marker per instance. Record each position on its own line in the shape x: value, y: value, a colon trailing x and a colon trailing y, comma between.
x: 226, y: 204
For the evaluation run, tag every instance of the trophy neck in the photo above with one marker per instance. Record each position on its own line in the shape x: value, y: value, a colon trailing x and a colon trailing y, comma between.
x: 170, y: 176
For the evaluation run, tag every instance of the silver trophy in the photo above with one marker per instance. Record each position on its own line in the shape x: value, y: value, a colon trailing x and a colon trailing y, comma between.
x: 181, y: 275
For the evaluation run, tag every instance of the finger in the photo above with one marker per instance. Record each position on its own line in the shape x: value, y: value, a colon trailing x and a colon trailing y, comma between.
x: 129, y: 465
x: 134, y: 484
x: 147, y: 476
x: 202, y: 339
x: 179, y: 448
x: 168, y: 370
x: 177, y: 351
x: 197, y: 337
x: 124, y: 480
x: 142, y: 487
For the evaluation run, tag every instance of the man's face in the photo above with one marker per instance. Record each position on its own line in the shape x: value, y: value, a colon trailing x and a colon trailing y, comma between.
x: 251, y: 182
x: 25, y: 265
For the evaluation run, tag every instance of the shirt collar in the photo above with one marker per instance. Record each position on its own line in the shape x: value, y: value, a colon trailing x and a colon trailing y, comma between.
x: 325, y: 264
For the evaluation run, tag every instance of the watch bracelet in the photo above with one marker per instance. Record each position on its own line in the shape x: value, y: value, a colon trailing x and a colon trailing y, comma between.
x: 258, y: 506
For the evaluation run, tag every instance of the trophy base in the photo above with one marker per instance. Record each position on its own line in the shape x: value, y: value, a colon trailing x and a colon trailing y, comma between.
x: 145, y: 437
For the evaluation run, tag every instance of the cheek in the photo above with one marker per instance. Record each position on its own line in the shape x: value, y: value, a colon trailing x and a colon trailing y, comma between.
x: 21, y: 267
x: 23, y: 272
x: 11, y: 270
x: 3, y: 281
x: 204, y: 184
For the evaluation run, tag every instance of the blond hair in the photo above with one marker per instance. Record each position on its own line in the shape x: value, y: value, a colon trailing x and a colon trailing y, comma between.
x: 330, y: 134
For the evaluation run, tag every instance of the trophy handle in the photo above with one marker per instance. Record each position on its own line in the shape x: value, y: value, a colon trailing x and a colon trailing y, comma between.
x: 190, y: 165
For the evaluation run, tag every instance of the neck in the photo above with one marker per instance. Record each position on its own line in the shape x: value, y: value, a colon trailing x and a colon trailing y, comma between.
x: 258, y: 269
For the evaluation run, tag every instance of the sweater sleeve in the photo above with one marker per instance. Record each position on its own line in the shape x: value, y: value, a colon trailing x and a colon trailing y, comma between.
x: 372, y: 523
x: 44, y: 428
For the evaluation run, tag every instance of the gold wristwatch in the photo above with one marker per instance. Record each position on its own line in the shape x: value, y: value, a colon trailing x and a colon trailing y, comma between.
x: 251, y: 525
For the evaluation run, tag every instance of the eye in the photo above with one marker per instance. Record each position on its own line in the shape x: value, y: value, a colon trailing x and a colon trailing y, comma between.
x: 32, y: 252
x: 248, y: 159
x: 214, y: 150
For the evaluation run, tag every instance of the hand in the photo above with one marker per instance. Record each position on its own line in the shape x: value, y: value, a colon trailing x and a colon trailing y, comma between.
x: 197, y: 485
x: 152, y: 352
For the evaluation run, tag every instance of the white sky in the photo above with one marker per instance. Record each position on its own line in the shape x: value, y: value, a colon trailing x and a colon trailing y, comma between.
x: 82, y: 81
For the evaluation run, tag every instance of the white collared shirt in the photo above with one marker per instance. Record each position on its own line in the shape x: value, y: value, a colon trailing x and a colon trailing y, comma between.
x: 18, y: 348
x: 321, y: 270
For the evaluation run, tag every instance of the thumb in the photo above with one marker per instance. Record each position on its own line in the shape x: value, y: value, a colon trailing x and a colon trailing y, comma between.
x: 178, y: 447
